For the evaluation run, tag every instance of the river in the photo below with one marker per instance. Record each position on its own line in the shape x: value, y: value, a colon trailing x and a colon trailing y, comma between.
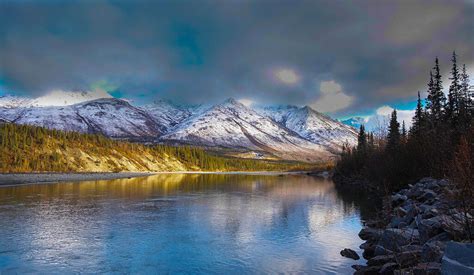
x: 180, y: 223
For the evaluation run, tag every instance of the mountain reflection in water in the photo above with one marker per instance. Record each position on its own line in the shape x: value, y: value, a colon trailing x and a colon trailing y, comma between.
x: 179, y: 223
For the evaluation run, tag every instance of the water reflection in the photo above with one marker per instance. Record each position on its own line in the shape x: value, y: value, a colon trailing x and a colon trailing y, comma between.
x: 178, y: 223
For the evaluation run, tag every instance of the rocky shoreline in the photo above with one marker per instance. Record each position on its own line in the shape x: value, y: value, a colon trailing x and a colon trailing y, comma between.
x: 421, y: 232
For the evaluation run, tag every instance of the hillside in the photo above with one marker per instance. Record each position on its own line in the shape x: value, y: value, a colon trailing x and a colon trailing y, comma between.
x: 233, y: 125
x: 281, y: 132
x: 313, y: 126
x: 30, y: 149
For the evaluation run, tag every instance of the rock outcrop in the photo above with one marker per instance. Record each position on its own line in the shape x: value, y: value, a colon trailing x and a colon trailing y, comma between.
x: 421, y: 225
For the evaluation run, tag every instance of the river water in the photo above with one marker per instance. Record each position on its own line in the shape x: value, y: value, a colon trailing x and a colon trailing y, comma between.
x: 180, y: 223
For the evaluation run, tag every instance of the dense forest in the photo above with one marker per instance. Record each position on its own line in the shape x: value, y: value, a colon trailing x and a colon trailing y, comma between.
x: 438, y: 144
x: 26, y: 148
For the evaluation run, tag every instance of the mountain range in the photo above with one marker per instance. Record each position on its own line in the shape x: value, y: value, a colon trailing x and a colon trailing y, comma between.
x: 284, y: 132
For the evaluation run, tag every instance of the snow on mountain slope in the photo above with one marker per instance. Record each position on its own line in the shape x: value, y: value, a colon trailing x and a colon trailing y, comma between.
x: 110, y: 117
x: 320, y: 128
x: 61, y: 118
x: 53, y: 98
x: 9, y: 101
x: 312, y: 125
x: 166, y: 113
x: 233, y: 125
x: 287, y: 131
x: 277, y: 113
x: 117, y: 118
x: 9, y: 114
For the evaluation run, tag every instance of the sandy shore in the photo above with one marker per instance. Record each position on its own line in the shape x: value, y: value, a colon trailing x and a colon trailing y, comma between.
x: 26, y: 178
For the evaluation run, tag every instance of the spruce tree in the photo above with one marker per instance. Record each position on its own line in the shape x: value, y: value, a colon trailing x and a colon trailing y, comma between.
x: 466, y: 102
x: 361, y: 140
x: 467, y: 95
x: 418, y: 118
x: 436, y: 99
x: 404, y: 133
x: 371, y: 141
x: 393, y: 138
x: 453, y: 105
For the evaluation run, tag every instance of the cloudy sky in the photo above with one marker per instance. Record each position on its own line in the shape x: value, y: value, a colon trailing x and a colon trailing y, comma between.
x: 341, y: 57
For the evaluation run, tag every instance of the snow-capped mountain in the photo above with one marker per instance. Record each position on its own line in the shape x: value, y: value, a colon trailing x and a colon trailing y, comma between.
x: 320, y: 128
x: 288, y: 132
x: 233, y: 125
x: 108, y: 116
x: 166, y: 113
x: 118, y: 118
x: 53, y: 98
x: 277, y: 113
x: 10, y: 101
x: 312, y: 125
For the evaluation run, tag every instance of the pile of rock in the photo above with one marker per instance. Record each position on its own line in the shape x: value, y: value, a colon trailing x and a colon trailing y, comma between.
x: 422, y: 220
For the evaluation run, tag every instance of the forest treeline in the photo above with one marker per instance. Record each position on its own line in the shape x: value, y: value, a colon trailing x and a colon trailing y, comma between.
x: 438, y: 144
x: 25, y: 148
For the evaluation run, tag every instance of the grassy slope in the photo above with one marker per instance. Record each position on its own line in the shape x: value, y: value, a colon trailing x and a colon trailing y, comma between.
x: 28, y: 149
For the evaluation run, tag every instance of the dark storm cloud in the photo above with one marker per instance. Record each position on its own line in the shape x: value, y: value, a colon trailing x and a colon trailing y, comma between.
x: 378, y: 51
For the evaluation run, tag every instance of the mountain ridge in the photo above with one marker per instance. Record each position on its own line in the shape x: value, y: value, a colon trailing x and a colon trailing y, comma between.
x: 287, y: 132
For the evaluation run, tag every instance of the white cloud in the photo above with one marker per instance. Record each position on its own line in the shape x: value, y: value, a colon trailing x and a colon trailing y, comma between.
x: 287, y: 76
x: 384, y: 111
x: 332, y: 97
x: 381, y: 118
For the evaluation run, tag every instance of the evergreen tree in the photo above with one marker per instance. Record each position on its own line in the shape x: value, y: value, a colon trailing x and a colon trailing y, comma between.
x: 393, y: 138
x: 452, y: 108
x: 418, y: 118
x: 404, y: 133
x: 371, y: 141
x: 466, y: 108
x: 361, y: 140
x: 467, y: 95
x: 436, y: 99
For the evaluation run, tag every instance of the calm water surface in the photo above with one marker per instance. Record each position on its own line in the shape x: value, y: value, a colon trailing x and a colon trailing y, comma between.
x: 179, y: 224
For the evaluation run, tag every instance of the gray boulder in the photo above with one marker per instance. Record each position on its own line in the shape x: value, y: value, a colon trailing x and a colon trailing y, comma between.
x: 428, y: 228
x: 458, y: 259
x: 394, y: 238
x: 398, y: 198
x: 380, y: 250
x: 408, y: 258
x: 442, y: 237
x: 432, y: 252
x: 427, y: 195
x: 388, y: 268
x: 370, y: 233
x: 381, y: 260
x: 349, y: 253
x: 427, y: 269
x: 452, y: 224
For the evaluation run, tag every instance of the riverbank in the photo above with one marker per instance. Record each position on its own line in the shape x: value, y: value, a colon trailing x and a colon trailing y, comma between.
x: 420, y: 231
x: 9, y: 179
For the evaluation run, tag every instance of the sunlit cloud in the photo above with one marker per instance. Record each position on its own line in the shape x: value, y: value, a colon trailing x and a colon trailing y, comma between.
x: 332, y: 97
x: 384, y: 110
x: 287, y: 76
x: 382, y: 115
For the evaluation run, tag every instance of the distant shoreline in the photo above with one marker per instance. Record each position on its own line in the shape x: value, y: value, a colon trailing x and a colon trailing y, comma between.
x: 13, y: 179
